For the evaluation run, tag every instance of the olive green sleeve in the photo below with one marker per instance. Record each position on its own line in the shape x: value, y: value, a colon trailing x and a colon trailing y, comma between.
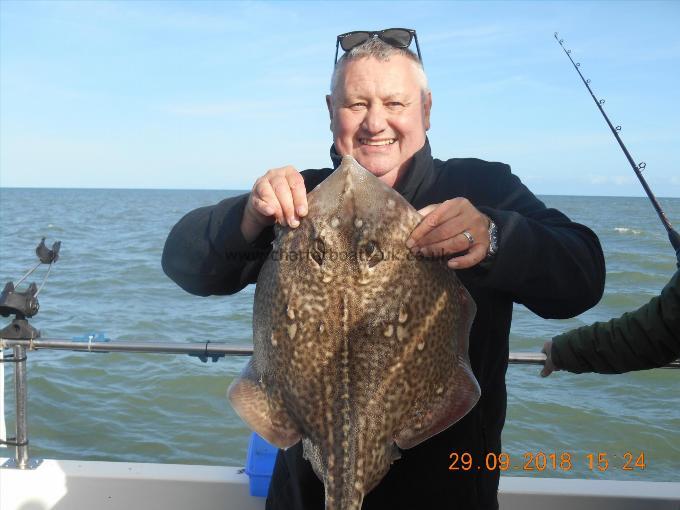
x: 649, y: 337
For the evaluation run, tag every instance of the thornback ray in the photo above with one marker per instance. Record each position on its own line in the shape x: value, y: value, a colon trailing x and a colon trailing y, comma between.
x: 359, y: 347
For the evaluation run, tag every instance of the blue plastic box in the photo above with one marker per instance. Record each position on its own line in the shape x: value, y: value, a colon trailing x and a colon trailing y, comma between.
x: 260, y: 464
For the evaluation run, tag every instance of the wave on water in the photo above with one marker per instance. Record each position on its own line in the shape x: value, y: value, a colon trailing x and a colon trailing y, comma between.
x: 625, y: 230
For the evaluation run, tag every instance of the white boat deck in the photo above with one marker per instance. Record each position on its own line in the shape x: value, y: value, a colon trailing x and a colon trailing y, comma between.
x: 87, y: 485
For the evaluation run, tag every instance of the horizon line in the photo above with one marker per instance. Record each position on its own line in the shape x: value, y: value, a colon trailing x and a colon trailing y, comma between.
x: 641, y: 195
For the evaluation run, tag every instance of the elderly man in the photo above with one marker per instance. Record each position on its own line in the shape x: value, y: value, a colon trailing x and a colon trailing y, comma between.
x: 507, y: 246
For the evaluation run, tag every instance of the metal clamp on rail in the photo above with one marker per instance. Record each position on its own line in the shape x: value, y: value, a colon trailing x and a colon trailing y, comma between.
x: 12, y: 441
x: 9, y: 358
x: 214, y: 356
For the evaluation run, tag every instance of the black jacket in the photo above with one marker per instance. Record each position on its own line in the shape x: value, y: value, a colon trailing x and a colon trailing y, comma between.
x: 649, y: 337
x: 553, y: 266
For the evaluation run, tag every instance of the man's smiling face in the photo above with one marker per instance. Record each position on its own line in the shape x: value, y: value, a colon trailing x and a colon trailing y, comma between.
x: 379, y: 114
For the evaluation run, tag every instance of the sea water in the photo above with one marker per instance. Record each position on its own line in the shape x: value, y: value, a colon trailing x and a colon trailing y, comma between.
x: 172, y: 409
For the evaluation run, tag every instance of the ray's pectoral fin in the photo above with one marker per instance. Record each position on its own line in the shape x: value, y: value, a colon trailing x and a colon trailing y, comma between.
x: 455, y: 396
x: 460, y: 394
x: 261, y: 412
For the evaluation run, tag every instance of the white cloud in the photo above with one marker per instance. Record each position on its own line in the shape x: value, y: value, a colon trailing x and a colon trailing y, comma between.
x: 470, y: 35
x: 218, y: 108
x: 617, y: 180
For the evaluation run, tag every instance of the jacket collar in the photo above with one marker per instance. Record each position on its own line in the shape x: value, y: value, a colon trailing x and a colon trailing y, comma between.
x: 421, y: 165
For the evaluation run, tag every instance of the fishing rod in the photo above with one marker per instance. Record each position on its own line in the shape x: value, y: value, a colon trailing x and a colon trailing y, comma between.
x: 673, y: 236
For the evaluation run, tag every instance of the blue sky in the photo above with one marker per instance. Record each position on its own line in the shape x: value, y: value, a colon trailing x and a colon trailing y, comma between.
x: 209, y: 95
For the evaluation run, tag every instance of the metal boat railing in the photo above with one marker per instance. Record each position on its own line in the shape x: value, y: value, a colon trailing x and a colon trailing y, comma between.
x: 202, y: 350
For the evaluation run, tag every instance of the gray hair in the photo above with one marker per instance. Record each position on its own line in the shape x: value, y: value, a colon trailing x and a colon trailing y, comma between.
x: 378, y: 49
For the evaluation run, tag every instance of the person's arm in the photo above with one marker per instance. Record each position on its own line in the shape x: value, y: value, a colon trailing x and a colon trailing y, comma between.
x: 207, y: 253
x: 646, y: 338
x: 545, y: 261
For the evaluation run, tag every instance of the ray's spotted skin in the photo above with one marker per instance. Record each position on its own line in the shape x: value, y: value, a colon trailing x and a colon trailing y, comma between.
x: 359, y: 347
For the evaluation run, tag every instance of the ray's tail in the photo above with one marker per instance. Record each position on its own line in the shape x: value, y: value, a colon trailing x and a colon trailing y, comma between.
x: 343, y: 495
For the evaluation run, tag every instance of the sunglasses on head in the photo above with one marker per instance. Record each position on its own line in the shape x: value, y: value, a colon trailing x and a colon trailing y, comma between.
x: 397, y: 37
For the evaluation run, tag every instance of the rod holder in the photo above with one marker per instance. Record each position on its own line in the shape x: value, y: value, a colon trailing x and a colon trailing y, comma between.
x: 21, y: 459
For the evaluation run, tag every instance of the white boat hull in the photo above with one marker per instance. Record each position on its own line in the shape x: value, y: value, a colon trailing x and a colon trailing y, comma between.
x: 87, y: 485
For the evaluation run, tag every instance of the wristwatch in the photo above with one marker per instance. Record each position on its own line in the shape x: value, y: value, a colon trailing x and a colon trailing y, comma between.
x: 493, y: 240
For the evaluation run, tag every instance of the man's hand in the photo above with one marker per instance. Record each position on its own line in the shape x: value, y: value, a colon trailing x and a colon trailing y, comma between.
x: 450, y: 228
x: 548, y: 367
x: 278, y: 196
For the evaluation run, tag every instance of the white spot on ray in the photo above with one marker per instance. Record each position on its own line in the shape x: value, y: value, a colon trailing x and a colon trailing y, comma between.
x: 292, y: 329
x: 335, y: 222
x: 403, y: 316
